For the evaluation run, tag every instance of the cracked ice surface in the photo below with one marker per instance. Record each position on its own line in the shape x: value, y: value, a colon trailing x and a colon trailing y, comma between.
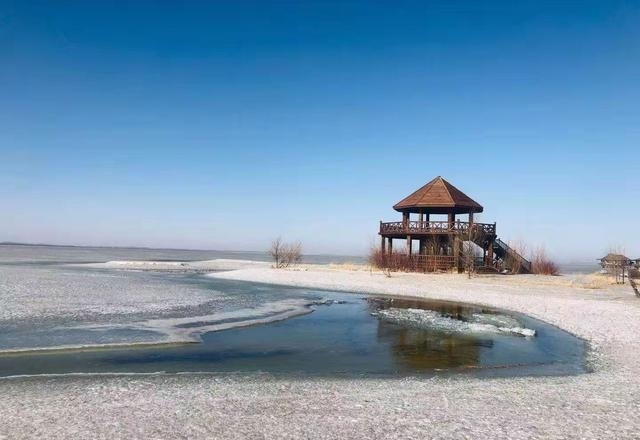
x: 44, y: 292
x: 56, y: 306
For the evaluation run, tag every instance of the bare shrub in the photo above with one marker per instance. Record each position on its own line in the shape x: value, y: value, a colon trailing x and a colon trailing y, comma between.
x: 285, y: 254
x: 468, y: 256
x: 542, y: 265
x: 377, y: 258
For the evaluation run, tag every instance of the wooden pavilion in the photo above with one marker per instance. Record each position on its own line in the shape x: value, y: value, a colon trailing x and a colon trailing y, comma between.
x: 431, y: 216
x: 618, y: 264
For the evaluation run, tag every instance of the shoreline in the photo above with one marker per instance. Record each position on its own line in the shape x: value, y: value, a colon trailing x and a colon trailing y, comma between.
x: 512, y: 293
x: 362, y: 279
x: 601, y: 404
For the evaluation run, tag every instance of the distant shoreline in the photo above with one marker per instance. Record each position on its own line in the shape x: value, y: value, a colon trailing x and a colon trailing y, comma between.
x: 565, y: 267
x: 145, y: 248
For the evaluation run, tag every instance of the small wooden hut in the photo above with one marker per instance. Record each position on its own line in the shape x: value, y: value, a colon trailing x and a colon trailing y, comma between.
x: 431, y: 217
x: 617, y: 265
x: 616, y: 260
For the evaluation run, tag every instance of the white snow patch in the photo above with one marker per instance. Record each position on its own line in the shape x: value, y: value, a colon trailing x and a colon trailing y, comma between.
x: 432, y: 320
x: 219, y: 264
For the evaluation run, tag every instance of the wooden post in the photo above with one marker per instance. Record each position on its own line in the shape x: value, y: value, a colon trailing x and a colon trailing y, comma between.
x: 390, y: 245
x: 452, y: 219
x: 456, y: 253
x: 382, y: 245
x: 405, y: 220
x: 489, y: 258
x: 409, y: 244
x: 472, y: 236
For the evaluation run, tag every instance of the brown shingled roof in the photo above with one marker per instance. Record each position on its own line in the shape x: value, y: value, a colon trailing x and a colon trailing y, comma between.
x: 438, y: 197
x: 611, y: 257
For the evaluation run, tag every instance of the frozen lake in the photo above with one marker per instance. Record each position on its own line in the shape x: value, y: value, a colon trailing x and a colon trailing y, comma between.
x: 77, y: 320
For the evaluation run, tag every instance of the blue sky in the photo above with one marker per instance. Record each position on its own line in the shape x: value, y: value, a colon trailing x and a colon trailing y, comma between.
x: 223, y: 125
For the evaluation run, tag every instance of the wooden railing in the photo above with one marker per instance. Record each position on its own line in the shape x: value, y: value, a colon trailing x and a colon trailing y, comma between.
x: 398, y: 261
x: 418, y: 227
x: 432, y: 263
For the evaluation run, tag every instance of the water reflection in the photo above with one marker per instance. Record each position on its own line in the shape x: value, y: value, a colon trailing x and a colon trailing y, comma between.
x: 420, y: 349
x: 424, y: 350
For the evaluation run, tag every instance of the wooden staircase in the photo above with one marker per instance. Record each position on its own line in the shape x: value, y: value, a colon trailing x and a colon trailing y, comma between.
x: 504, y: 251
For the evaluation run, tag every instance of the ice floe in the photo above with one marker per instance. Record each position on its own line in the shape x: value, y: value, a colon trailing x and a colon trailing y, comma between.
x: 432, y: 320
x: 176, y: 330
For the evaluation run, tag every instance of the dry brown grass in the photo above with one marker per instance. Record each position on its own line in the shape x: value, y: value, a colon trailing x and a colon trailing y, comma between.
x: 349, y: 266
x: 593, y: 281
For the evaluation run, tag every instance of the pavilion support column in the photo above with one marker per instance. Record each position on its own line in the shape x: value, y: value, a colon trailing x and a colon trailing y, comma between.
x: 457, y: 253
x: 409, y: 244
x: 452, y: 219
x: 382, y: 245
x: 422, y: 260
x: 390, y: 243
x: 405, y: 220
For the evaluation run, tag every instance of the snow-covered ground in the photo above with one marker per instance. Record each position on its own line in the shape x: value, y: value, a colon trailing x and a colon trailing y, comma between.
x: 178, y: 266
x: 602, y: 404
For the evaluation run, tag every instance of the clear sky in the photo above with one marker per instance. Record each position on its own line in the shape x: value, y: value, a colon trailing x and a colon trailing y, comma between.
x: 218, y: 125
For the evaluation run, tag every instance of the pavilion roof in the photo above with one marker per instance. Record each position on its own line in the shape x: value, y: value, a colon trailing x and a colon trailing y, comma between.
x: 611, y: 257
x: 438, y: 197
